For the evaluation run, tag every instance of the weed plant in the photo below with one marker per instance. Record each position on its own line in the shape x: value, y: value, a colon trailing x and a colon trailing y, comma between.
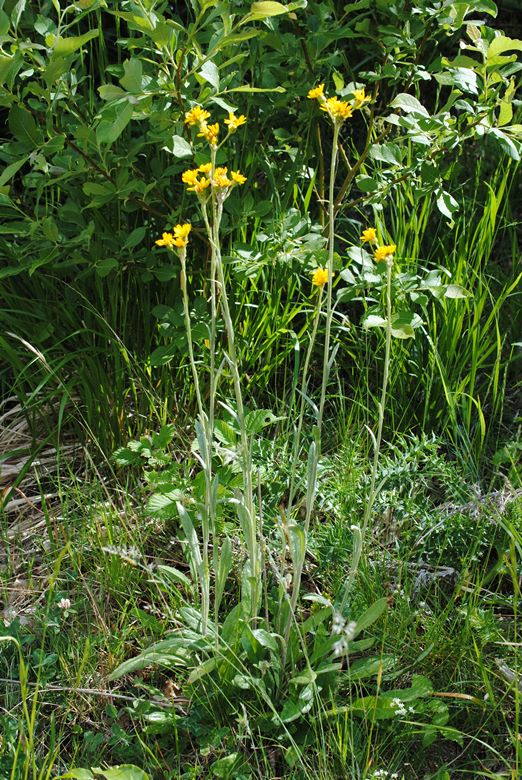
x: 303, y: 561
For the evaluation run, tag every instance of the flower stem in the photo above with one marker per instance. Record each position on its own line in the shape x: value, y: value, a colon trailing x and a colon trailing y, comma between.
x: 331, y: 239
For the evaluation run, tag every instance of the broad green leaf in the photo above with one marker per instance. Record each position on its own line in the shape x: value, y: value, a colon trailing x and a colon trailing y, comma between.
x: 447, y: 204
x: 77, y: 774
x: 456, y: 291
x: 370, y: 667
x: 265, y: 639
x: 224, y: 767
x: 205, y: 668
x: 4, y: 23
x: 500, y: 44
x: 408, y: 104
x: 371, y: 615
x: 263, y: 10
x: 112, y: 125
x: 122, y: 772
x: 180, y: 147
x: 111, y: 92
x: 133, y: 70
x: 62, y: 47
x: 246, y: 88
x: 257, y: 420
x: 23, y: 126
x: 10, y: 170
x: 210, y: 73
x: 506, y: 143
x: 373, y: 321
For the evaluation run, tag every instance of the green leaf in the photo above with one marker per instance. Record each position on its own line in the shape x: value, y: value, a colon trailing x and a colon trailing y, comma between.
x: 111, y: 92
x: 372, y: 614
x: 225, y: 768
x: 114, y: 123
x: 133, y: 70
x: 257, y: 420
x: 371, y: 667
x: 122, y: 772
x: 447, y: 204
x: 77, y: 774
x: 23, y: 126
x: 210, y: 73
x: 205, y: 668
x: 180, y: 147
x: 176, y: 574
x: 10, y: 170
x: 265, y: 639
x: 506, y: 143
x: 263, y: 10
x: 456, y: 291
x: 373, y: 321
x: 62, y: 47
x: 246, y: 88
x: 500, y: 44
x: 408, y: 104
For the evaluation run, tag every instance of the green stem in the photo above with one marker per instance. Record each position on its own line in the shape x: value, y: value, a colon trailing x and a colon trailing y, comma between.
x: 331, y: 239
x: 360, y: 533
x: 304, y: 387
x: 205, y: 583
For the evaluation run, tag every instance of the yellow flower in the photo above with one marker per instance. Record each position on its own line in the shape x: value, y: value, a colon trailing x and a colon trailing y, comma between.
x: 196, y: 116
x: 192, y: 180
x: 205, y: 168
x: 167, y: 239
x: 181, y: 234
x: 210, y: 132
x: 383, y: 252
x: 190, y: 177
x: 234, y: 121
x: 320, y: 277
x: 338, y: 109
x: 200, y: 185
x: 317, y: 93
x: 220, y: 178
x: 360, y: 97
x: 369, y: 235
x: 237, y: 177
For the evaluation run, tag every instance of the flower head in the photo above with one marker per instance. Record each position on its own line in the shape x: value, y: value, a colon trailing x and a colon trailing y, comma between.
x: 237, y: 177
x: 196, y: 116
x: 210, y: 132
x: 360, y: 97
x: 339, y: 110
x: 220, y: 178
x: 205, y: 168
x: 194, y: 182
x: 369, y: 235
x: 317, y: 93
x: 64, y: 604
x: 181, y: 234
x: 382, y: 253
x: 233, y: 121
x: 320, y: 277
x: 167, y: 239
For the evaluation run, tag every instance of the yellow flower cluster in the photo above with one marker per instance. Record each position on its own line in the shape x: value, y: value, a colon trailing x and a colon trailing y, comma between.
x: 233, y: 122
x: 369, y: 235
x: 209, y: 132
x: 198, y: 116
x: 382, y: 253
x: 338, y: 110
x: 178, y: 238
x: 320, y: 277
x: 199, y: 179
